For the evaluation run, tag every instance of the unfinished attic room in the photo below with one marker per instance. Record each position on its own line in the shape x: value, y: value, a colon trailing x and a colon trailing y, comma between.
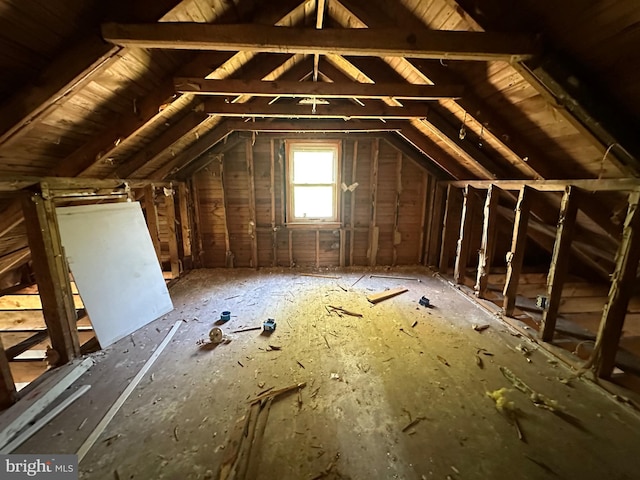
x: 321, y: 239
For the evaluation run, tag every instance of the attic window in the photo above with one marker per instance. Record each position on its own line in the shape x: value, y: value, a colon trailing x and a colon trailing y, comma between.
x: 313, y: 181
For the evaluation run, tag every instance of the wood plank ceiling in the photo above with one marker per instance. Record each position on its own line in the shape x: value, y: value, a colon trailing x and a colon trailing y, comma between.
x: 475, y: 91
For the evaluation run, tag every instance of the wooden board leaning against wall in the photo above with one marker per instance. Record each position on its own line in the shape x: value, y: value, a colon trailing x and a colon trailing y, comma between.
x: 242, y: 196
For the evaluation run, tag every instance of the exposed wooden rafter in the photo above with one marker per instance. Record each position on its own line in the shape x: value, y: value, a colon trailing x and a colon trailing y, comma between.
x: 458, y: 45
x: 68, y: 73
x: 608, y: 128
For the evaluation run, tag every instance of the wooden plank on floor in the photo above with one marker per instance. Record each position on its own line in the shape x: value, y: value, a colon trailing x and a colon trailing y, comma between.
x: 39, y: 397
x: 559, y: 267
x: 379, y: 297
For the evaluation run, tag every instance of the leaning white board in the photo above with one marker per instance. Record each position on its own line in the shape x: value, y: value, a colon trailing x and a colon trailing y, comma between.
x: 115, y: 267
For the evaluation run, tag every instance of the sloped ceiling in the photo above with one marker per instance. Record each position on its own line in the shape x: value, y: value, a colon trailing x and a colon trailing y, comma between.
x: 75, y: 105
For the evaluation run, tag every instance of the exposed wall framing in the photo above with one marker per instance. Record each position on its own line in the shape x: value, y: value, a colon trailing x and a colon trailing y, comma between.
x: 382, y: 209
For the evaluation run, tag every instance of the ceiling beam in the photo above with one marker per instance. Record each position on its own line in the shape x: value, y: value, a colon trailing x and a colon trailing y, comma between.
x: 256, y: 88
x: 590, y: 185
x: 471, y: 158
x: 451, y: 45
x: 528, y: 158
x: 314, y: 126
x: 279, y: 110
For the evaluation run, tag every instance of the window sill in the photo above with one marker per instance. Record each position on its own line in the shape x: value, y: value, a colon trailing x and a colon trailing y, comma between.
x: 314, y: 225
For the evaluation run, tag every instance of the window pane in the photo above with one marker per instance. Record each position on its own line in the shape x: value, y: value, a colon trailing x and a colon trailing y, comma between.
x: 313, y: 202
x: 313, y: 166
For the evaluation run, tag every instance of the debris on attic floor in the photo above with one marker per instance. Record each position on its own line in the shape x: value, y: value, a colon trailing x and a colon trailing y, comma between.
x: 371, y: 405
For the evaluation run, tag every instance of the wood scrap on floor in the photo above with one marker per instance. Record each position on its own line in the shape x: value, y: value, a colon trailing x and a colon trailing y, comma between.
x: 343, y: 310
x: 39, y: 398
x: 413, y: 423
x: 241, y: 459
x: 100, y: 428
x: 319, y: 276
x: 393, y: 277
x: 250, y: 329
x: 480, y: 328
x: 386, y: 294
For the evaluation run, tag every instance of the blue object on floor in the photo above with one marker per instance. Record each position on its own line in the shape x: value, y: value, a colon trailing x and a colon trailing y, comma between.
x: 269, y: 325
x: 424, y: 301
x: 225, y: 316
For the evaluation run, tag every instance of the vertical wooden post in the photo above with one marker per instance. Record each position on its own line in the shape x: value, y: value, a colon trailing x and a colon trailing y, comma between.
x: 435, y: 219
x: 252, y: 204
x: 291, y: 248
x: 559, y: 266
x: 516, y: 255
x: 318, y: 248
x: 622, y: 284
x: 196, y: 233
x: 185, y: 222
x: 274, y: 232
x: 342, y: 260
x: 397, y: 237
x: 52, y: 275
x: 485, y: 254
x: 426, y: 200
x: 283, y: 182
x: 450, y: 226
x: 152, y: 219
x: 373, y: 227
x: 229, y: 257
x: 170, y: 208
x: 352, y: 209
x: 469, y: 201
x: 8, y: 393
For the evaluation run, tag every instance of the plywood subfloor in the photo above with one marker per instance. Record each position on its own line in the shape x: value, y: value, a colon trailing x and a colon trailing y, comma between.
x: 176, y: 423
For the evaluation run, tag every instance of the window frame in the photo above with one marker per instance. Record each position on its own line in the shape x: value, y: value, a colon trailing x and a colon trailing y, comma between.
x: 313, y: 145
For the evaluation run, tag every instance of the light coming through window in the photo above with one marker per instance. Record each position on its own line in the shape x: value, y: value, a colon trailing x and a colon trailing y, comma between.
x: 313, y: 180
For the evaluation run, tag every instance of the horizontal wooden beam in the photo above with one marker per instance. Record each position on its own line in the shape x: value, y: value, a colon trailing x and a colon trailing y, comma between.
x: 313, y: 126
x: 63, y: 183
x: 279, y: 110
x: 418, y: 43
x: 257, y: 88
x: 591, y: 185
